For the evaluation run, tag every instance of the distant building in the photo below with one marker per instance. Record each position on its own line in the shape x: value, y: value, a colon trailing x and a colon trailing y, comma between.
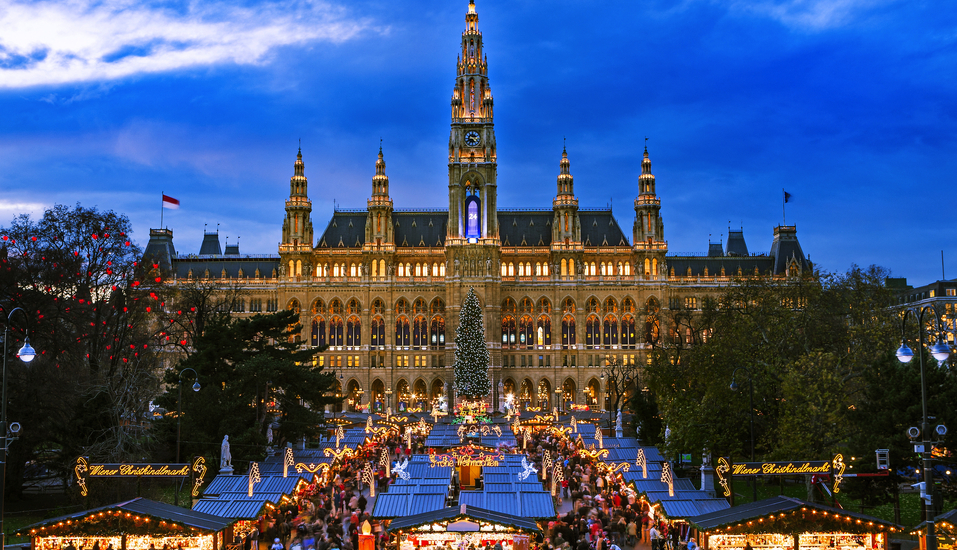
x: 564, y: 289
x: 942, y: 295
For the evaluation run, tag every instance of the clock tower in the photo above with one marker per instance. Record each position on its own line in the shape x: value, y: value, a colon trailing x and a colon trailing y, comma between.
x: 472, y: 156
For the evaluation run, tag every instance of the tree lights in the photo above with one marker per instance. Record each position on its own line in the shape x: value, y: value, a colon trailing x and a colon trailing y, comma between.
x: 471, y: 353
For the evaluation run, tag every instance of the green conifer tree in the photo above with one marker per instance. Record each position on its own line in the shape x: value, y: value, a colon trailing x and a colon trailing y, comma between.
x: 471, y: 353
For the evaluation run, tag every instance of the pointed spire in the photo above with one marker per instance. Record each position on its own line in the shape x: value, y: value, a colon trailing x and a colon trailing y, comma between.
x: 380, y: 181
x: 646, y: 181
x: 565, y: 179
x: 297, y: 184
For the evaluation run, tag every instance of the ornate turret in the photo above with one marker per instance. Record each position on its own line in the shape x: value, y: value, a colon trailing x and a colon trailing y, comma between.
x: 296, y: 242
x: 649, y: 231
x: 566, y: 227
x: 379, y: 228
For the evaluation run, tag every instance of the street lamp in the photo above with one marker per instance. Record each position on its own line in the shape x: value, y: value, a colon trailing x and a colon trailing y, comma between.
x: 179, y: 404
x: 558, y: 400
x: 941, y: 352
x: 26, y: 354
x: 734, y: 387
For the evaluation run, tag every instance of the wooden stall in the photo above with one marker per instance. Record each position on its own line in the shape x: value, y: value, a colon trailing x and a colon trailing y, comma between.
x: 785, y: 523
x: 447, y: 528
x: 136, y: 524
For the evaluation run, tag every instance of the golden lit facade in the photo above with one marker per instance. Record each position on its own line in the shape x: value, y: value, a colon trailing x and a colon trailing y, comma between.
x: 564, y: 290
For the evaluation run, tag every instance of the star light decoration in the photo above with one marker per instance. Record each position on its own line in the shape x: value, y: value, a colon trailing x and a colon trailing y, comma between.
x: 642, y: 463
x: 254, y: 477
x: 722, y: 469
x: 80, y: 471
x: 288, y: 459
x: 838, y: 466
x: 338, y: 454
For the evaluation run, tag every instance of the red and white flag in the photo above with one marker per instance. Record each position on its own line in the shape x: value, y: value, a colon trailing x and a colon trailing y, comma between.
x: 170, y: 202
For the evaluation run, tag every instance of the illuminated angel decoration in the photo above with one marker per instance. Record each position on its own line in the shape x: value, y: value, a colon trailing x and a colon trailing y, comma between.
x: 369, y: 423
x: 555, y: 413
x: 401, y: 469
x: 527, y: 470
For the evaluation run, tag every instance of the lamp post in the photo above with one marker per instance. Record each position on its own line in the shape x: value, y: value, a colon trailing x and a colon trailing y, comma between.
x: 179, y: 405
x: 558, y: 400
x: 734, y: 387
x: 941, y: 352
x: 26, y: 354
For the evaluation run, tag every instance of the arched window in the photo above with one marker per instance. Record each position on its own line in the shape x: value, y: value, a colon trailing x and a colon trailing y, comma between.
x: 437, y: 333
x: 508, y: 332
x: 527, y: 305
x: 538, y: 269
x: 318, y: 306
x: 504, y: 270
x: 353, y: 332
x: 602, y: 268
x: 571, y: 267
x: 543, y: 337
x: 437, y: 307
x: 420, y: 333
x: 473, y: 223
x: 354, y: 307
x: 419, y: 307
x: 335, y: 306
x: 442, y: 269
x: 545, y: 269
x: 521, y: 269
x: 647, y: 267
x: 628, y: 305
x: 610, y: 332
x: 377, y: 333
x: 564, y: 267
x: 292, y: 269
x: 568, y: 332
x: 402, y: 333
x: 526, y: 333
x: 628, y: 339
x: 335, y: 332
x: 378, y: 306
x: 401, y: 272
x: 508, y: 306
x: 435, y: 269
x: 418, y: 269
x: 401, y: 306
x: 298, y: 268
x: 592, y: 332
x: 318, y: 332
x: 627, y: 268
x: 594, y: 270
x: 544, y: 306
x: 511, y: 269
x: 375, y: 269
x: 654, y: 266
x: 611, y: 306
x: 353, y: 270
x: 382, y: 268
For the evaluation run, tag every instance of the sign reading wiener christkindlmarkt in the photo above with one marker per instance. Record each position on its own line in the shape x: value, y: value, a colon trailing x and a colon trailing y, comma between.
x: 789, y: 468
x: 84, y: 471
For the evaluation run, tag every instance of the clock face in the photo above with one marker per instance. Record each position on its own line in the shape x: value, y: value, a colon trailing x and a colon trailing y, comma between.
x: 472, y: 139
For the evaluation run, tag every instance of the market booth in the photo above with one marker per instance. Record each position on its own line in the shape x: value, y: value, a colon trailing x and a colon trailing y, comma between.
x: 946, y: 527
x: 448, y: 527
x: 785, y: 523
x: 132, y: 525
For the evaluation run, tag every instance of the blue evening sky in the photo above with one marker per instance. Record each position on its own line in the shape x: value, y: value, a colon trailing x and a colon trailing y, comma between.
x: 850, y: 105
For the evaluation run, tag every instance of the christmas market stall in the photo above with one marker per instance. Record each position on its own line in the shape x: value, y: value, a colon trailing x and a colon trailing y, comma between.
x: 946, y: 527
x: 785, y: 523
x: 449, y: 527
x: 136, y: 524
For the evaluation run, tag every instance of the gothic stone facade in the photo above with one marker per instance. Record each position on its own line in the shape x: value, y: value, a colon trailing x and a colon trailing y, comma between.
x: 564, y: 290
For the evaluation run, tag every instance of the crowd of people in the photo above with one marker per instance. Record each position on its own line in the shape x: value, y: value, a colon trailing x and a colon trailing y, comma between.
x: 604, y: 515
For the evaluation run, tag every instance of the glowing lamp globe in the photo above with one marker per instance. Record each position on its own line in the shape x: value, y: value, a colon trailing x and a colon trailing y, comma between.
x: 940, y: 351
x: 26, y: 353
x: 905, y: 354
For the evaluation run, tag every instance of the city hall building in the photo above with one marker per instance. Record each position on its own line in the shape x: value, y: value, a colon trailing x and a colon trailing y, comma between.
x: 565, y: 290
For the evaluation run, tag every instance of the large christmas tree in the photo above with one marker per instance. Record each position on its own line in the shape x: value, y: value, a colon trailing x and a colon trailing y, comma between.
x: 471, y: 353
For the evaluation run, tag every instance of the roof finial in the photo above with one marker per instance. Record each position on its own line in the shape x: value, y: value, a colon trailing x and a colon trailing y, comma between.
x: 564, y: 141
x: 300, y: 145
x: 646, y: 145
x: 380, y: 146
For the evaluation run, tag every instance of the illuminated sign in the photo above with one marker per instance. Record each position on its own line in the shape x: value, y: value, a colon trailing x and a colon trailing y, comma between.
x: 468, y: 455
x: 83, y: 471
x: 796, y: 467
x: 724, y: 466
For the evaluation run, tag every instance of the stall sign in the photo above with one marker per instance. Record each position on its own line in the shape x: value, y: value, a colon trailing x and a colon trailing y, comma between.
x: 467, y: 455
x: 794, y: 467
x: 138, y: 470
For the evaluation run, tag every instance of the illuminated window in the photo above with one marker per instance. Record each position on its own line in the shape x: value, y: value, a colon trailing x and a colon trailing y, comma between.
x: 473, y: 226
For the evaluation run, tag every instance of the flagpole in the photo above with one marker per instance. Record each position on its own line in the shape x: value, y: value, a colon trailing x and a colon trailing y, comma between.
x: 161, y: 208
x: 784, y: 201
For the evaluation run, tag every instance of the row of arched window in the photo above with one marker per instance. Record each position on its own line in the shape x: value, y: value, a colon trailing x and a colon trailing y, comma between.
x: 526, y: 333
x: 419, y: 333
x: 354, y: 307
x: 510, y: 269
x: 524, y: 269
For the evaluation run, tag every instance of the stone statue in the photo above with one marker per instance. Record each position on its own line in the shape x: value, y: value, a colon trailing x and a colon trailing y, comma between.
x: 226, y: 459
x: 269, y: 435
x: 618, y: 420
